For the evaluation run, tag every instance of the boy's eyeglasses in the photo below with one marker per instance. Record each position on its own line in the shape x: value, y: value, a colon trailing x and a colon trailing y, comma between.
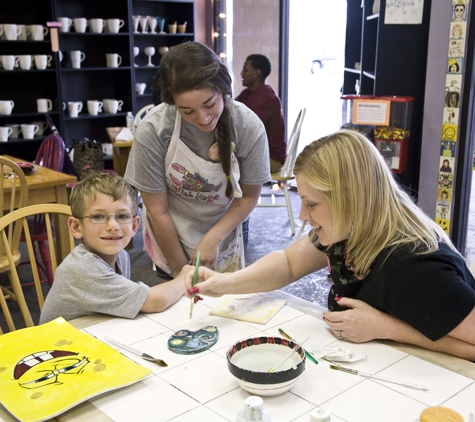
x: 104, y: 218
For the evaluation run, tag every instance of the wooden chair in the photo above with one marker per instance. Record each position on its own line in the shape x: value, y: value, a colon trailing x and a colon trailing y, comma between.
x: 13, y: 194
x: 12, y: 226
x: 51, y: 155
x: 286, y: 172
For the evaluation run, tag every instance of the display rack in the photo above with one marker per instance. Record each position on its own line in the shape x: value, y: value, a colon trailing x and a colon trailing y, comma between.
x: 94, y: 80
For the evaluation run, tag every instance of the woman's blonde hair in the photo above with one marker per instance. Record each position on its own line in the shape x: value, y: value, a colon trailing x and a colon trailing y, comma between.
x: 364, y: 198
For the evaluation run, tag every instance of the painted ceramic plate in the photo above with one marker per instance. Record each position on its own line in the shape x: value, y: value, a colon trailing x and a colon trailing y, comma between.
x: 186, y: 342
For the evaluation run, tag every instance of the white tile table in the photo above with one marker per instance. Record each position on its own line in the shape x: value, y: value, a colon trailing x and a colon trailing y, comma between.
x: 199, y: 387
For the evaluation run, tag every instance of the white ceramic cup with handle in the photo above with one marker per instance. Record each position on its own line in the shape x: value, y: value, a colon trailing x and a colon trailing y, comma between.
x: 44, y: 105
x: 25, y: 61
x: 9, y: 62
x: 113, y: 60
x: 15, y: 129
x: 94, y: 107
x: 6, y: 107
x: 5, y: 132
x: 77, y: 57
x: 66, y: 24
x: 42, y: 61
x: 97, y: 25
x: 74, y: 108
x: 11, y: 31
x: 29, y: 130
x: 24, y: 33
x: 114, y: 25
x: 80, y: 24
x: 113, y: 106
x: 42, y: 125
x: 38, y: 32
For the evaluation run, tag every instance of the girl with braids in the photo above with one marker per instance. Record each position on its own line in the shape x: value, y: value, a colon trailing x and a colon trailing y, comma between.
x: 199, y: 160
x: 396, y: 275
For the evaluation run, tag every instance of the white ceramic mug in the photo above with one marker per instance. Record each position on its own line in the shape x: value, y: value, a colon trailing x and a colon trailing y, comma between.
x: 74, y: 107
x: 15, y: 129
x: 114, y: 25
x: 9, y: 62
x: 113, y: 60
x: 44, y: 105
x: 96, y: 25
x: 5, y: 132
x: 80, y: 24
x: 94, y: 107
x: 112, y: 106
x: 42, y: 127
x: 140, y: 88
x: 66, y: 24
x: 24, y: 33
x: 42, y: 61
x: 6, y: 107
x: 25, y: 62
x: 38, y: 32
x: 11, y: 31
x: 29, y: 130
x: 77, y: 57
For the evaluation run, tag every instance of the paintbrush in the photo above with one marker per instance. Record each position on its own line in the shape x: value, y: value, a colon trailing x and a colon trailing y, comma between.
x: 375, y: 377
x: 135, y: 351
x: 308, y: 354
x: 288, y: 355
x: 195, y: 280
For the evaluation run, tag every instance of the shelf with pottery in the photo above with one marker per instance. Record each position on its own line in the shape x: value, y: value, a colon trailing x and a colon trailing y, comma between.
x: 87, y: 116
x: 96, y: 69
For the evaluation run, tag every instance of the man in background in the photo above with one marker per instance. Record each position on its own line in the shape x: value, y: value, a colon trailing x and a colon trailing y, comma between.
x: 263, y: 100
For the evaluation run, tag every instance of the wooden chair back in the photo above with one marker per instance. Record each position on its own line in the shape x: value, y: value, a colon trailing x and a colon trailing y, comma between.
x: 16, y: 223
x: 13, y: 195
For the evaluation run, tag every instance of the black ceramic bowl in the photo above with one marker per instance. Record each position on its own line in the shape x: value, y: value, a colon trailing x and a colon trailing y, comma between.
x: 249, y: 360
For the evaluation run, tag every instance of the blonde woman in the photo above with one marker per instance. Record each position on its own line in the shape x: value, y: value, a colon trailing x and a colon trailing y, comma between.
x: 396, y: 273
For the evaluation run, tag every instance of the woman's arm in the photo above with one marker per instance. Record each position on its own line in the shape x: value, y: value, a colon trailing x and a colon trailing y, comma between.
x: 268, y: 273
x: 164, y: 230
x: 364, y: 323
x: 237, y: 212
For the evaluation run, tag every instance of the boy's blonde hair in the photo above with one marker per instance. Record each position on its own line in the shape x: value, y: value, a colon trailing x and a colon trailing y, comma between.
x: 108, y: 184
x: 364, y: 198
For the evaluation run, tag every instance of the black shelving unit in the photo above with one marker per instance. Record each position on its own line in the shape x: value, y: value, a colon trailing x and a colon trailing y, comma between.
x: 93, y: 81
x: 392, y: 61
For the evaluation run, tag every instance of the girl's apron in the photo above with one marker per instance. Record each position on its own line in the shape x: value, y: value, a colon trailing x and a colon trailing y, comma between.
x: 196, y: 201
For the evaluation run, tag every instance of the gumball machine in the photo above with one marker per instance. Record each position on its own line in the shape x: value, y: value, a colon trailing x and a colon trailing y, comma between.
x: 350, y: 118
x: 392, y: 138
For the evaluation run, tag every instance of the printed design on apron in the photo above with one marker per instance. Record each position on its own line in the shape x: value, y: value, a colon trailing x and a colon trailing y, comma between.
x: 192, y: 182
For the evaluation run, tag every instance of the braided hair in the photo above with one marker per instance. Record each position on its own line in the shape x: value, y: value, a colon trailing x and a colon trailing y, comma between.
x: 191, y: 66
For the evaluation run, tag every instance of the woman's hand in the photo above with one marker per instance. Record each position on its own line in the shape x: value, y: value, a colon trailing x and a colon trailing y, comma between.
x: 359, y: 324
x: 209, y: 249
x: 210, y: 283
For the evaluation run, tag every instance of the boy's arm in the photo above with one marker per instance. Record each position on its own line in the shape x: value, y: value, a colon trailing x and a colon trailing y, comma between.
x: 166, y: 294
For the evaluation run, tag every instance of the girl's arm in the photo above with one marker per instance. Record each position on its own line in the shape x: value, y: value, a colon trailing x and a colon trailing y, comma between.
x: 164, y: 230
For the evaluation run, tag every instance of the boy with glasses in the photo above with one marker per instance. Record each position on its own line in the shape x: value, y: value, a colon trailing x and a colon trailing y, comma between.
x: 95, y: 276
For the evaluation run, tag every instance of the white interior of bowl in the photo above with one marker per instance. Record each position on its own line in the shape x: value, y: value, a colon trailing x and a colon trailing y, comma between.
x: 260, y: 358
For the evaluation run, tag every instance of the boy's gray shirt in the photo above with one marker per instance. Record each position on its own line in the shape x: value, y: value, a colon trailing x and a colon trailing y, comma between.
x: 84, y: 284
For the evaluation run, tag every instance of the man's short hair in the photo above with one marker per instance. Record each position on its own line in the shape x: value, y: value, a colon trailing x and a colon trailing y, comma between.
x: 261, y: 62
